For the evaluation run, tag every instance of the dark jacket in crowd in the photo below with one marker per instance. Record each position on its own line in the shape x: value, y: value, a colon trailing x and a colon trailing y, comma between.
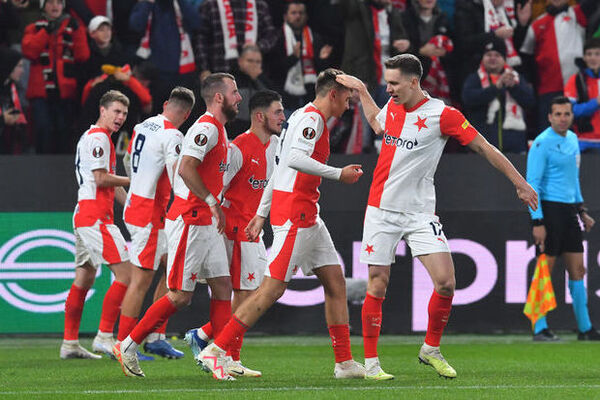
x: 358, y: 57
x: 247, y: 88
x: 114, y: 55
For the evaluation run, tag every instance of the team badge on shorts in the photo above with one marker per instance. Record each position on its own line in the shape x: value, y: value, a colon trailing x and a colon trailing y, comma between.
x: 97, y: 152
x: 309, y: 133
x: 201, y: 139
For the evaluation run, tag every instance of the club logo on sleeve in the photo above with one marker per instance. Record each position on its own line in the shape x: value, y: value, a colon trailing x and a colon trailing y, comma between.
x: 465, y: 124
x: 98, y: 152
x: 178, y: 149
x: 201, y: 139
x: 309, y: 133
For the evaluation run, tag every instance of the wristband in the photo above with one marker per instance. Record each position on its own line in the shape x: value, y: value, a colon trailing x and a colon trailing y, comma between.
x: 210, y: 200
x: 537, y: 222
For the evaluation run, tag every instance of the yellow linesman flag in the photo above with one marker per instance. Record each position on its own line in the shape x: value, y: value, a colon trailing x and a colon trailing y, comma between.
x: 540, y: 299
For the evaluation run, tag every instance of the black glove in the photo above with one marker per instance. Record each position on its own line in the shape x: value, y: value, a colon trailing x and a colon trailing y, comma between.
x: 41, y: 24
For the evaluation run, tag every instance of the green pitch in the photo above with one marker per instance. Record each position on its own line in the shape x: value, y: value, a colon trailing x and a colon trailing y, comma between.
x: 489, y: 367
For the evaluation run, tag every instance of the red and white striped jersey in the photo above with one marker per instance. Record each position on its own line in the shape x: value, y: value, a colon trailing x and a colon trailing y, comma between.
x: 206, y: 141
x: 555, y: 42
x: 295, y: 193
x: 154, y: 150
x: 95, y: 150
x: 413, y: 141
x: 251, y: 164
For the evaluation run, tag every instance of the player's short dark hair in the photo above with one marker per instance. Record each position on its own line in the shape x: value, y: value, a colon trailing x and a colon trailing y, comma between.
x: 408, y: 64
x: 111, y: 96
x: 182, y: 97
x: 289, y: 3
x: 559, y: 100
x: 591, y: 43
x: 326, y: 81
x: 213, y: 84
x: 262, y: 100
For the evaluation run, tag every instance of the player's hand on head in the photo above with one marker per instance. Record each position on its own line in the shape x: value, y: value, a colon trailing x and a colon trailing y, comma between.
x: 254, y: 227
x: 527, y: 195
x: 351, y: 82
x: 351, y: 173
x: 217, y: 212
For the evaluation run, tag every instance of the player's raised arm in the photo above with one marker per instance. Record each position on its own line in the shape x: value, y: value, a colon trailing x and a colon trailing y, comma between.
x: 369, y: 106
x: 525, y: 192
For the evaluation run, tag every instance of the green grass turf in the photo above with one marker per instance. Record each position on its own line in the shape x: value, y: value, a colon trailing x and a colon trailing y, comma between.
x: 489, y: 367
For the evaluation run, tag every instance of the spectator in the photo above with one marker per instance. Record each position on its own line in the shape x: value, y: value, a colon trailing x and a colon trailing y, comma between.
x: 249, y: 80
x: 123, y: 80
x: 104, y: 49
x: 494, y: 98
x: 117, y: 11
x: 427, y: 30
x: 582, y: 90
x: 9, y: 19
x: 217, y: 47
x: 167, y: 25
x: 297, y: 57
x: 56, y: 44
x: 13, y: 125
x: 373, y: 33
x: 555, y: 40
x: 477, y: 22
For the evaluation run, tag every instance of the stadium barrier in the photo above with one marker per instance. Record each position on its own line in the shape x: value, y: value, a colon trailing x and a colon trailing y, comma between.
x: 487, y: 228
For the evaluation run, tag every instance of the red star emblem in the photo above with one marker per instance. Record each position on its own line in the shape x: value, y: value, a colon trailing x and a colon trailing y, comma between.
x: 251, y: 277
x: 193, y: 277
x: 420, y: 123
x: 566, y: 18
x: 369, y: 249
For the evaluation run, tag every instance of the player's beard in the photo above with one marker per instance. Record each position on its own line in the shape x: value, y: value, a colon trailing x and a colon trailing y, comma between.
x: 267, y: 128
x: 229, y: 110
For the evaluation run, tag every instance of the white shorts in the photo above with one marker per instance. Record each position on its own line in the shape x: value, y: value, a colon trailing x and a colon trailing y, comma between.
x: 195, y: 252
x: 305, y: 248
x: 247, y: 263
x: 99, y: 244
x: 384, y: 229
x: 148, y: 245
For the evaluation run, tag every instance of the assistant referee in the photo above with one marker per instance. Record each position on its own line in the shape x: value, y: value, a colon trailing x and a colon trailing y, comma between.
x: 553, y: 171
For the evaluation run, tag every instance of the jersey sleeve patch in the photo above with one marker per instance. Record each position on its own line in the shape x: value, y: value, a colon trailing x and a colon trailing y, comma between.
x: 99, y: 152
x: 200, y: 139
x: 307, y: 132
x: 453, y: 123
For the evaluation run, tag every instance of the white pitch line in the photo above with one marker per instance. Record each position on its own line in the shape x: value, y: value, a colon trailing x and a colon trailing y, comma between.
x: 305, y: 389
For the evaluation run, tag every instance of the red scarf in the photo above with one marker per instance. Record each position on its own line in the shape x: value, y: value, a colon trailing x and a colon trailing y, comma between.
x: 436, y: 82
x: 186, y: 57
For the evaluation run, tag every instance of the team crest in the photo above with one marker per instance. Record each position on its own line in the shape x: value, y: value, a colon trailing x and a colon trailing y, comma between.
x: 309, y: 133
x: 201, y: 139
x: 97, y: 152
x: 178, y: 149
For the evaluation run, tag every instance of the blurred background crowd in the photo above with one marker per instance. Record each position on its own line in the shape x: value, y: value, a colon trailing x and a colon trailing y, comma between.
x: 500, y: 61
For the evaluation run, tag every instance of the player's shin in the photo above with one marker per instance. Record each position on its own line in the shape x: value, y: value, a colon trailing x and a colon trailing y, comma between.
x: 371, y: 324
x: 439, y: 312
x: 112, y: 306
x: 73, y: 311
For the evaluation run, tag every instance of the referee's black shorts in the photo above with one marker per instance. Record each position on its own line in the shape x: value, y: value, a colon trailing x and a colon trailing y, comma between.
x: 563, y: 232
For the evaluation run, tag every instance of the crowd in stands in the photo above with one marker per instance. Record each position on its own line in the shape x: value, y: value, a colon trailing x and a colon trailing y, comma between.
x: 500, y: 61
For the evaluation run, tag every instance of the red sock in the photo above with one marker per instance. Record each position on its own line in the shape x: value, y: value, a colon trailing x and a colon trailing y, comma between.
x: 340, y: 339
x: 155, y: 316
x: 439, y: 312
x: 233, y: 329
x: 163, y: 328
x: 236, y: 347
x: 220, y: 313
x: 112, y: 306
x: 208, y: 330
x: 126, y: 325
x: 371, y: 324
x: 73, y: 310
